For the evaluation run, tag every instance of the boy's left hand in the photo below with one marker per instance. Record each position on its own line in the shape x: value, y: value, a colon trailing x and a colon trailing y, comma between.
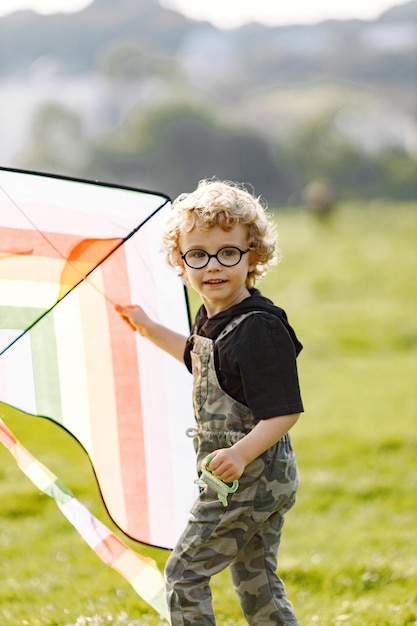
x: 227, y: 464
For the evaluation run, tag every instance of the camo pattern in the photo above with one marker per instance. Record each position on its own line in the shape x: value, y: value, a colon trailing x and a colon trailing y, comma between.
x: 243, y: 536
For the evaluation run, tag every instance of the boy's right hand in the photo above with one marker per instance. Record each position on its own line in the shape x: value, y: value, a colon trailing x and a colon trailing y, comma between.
x: 163, y: 337
x: 134, y: 316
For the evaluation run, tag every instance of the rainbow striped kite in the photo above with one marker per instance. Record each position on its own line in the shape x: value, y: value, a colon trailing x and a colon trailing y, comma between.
x: 69, y: 250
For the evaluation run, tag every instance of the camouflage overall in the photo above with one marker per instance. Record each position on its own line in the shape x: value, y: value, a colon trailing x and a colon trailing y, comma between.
x: 245, y: 535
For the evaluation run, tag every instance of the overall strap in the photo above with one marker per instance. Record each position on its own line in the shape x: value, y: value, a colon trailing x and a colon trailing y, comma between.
x: 233, y: 323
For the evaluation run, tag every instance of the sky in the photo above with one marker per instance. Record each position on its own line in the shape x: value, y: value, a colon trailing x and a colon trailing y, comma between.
x: 233, y: 13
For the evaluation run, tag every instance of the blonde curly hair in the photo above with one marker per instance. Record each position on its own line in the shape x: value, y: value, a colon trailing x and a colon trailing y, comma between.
x: 224, y: 204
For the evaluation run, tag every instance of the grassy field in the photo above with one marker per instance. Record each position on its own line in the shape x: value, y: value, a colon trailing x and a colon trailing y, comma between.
x: 349, y: 550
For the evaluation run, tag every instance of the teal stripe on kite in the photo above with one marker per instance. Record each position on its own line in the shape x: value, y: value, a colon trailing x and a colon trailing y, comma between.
x: 46, y: 367
x: 19, y: 317
x: 59, y: 491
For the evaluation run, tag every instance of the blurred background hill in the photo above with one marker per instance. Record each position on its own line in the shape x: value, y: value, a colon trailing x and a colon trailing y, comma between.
x: 137, y: 94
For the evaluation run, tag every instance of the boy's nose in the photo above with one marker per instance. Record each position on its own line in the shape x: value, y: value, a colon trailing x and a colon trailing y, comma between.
x: 213, y: 263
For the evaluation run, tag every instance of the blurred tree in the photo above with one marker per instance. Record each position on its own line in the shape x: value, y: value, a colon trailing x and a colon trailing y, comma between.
x: 172, y: 147
x: 399, y: 172
x: 57, y: 143
x: 319, y: 151
x: 125, y: 62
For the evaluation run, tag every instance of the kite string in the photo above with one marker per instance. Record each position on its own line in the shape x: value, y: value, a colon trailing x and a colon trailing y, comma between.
x: 141, y: 572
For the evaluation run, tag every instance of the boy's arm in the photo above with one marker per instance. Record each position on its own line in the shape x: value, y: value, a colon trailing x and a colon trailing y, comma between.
x: 229, y: 463
x: 161, y: 336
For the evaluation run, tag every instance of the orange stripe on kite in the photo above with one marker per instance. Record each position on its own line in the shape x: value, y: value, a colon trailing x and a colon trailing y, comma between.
x: 128, y: 402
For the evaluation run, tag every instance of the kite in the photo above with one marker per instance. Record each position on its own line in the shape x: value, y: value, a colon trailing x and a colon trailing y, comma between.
x: 69, y: 250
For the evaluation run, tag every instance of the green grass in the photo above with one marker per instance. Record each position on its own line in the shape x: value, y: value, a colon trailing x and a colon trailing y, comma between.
x: 349, y: 549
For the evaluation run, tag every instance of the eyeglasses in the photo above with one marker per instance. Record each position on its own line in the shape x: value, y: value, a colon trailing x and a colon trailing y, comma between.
x: 229, y: 256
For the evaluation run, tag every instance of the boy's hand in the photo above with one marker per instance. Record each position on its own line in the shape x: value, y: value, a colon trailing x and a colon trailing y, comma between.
x: 227, y: 464
x: 161, y: 336
x: 134, y: 316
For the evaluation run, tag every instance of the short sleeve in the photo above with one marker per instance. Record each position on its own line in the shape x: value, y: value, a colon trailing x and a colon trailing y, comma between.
x: 263, y: 356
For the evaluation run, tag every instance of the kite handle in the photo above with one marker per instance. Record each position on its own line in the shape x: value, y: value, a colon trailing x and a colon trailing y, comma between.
x: 214, y: 482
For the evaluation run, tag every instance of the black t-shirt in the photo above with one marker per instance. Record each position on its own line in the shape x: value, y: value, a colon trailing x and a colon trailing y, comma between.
x: 255, y: 362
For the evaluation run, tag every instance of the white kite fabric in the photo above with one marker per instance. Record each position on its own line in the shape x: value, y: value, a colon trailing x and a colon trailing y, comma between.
x: 70, y: 250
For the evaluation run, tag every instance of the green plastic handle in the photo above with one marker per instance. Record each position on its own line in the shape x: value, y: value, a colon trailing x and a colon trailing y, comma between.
x: 214, y: 482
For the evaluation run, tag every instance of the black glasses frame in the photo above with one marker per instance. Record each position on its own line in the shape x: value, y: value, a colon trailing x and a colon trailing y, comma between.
x: 214, y: 256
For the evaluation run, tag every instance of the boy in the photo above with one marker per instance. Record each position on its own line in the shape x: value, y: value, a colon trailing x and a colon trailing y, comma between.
x: 242, y: 354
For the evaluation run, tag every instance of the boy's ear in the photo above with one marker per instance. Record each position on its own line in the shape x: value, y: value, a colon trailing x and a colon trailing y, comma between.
x: 253, y: 260
x: 180, y: 267
x: 176, y: 257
